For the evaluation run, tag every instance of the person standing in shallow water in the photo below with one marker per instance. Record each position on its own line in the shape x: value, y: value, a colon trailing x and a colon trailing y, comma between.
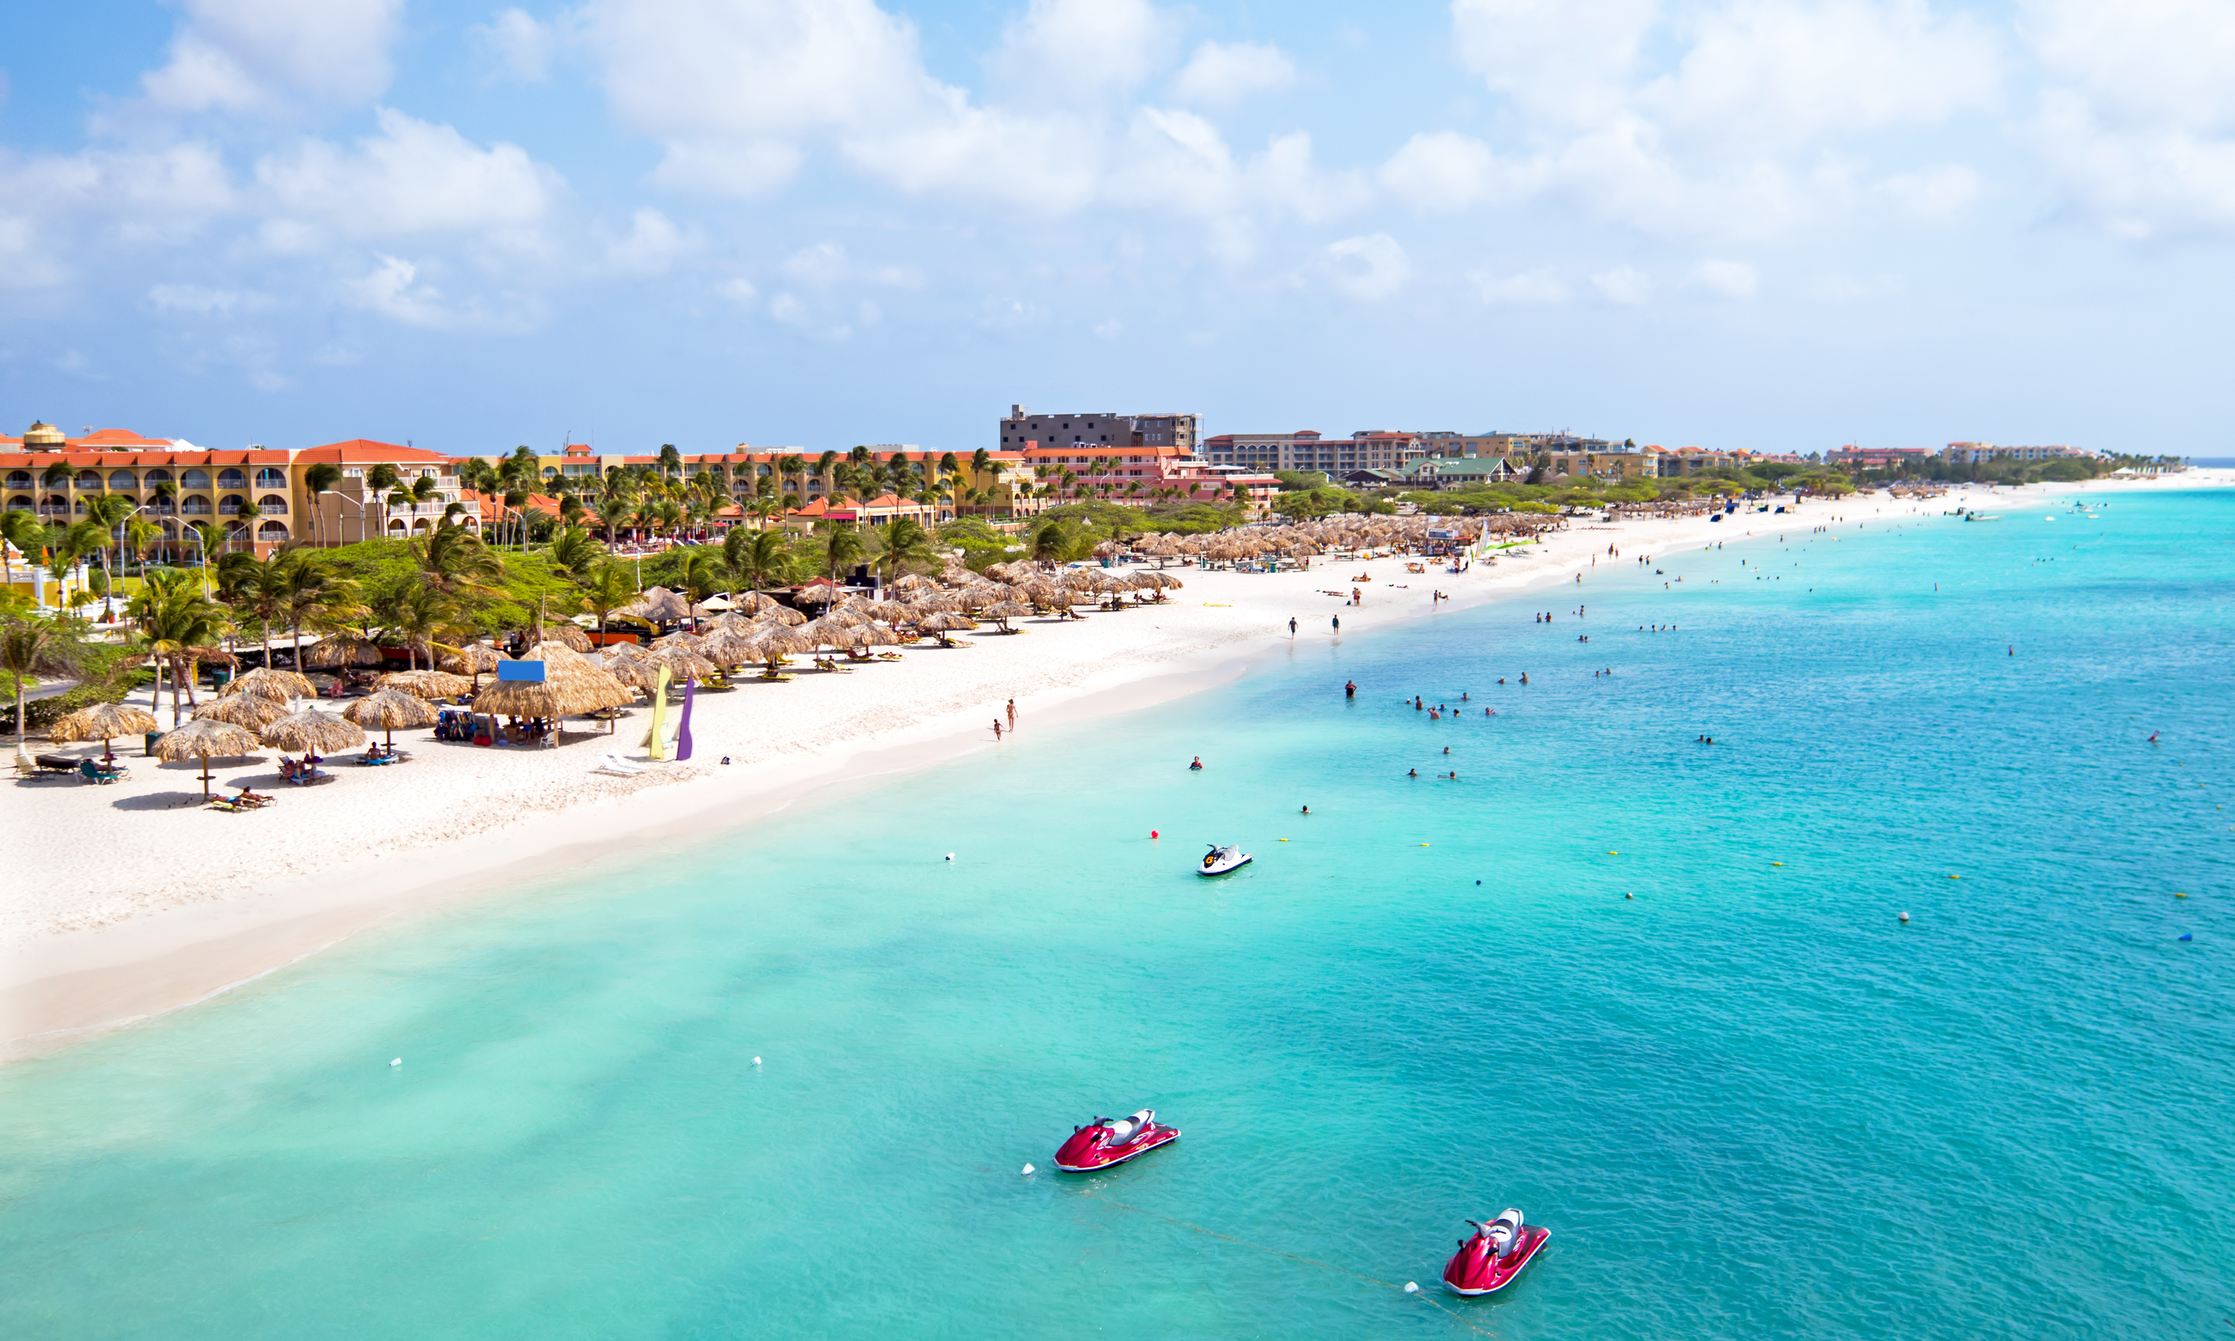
x: 1338, y: 623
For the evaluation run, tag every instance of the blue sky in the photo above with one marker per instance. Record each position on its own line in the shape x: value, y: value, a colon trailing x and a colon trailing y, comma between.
x: 1770, y: 224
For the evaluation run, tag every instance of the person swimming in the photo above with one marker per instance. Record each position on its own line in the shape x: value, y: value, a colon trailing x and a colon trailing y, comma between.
x: 1197, y: 766
x: 1350, y: 689
x: 1307, y: 810
x: 1412, y: 772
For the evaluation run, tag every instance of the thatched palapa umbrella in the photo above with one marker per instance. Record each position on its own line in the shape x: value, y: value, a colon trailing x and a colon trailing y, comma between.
x: 817, y: 593
x: 266, y: 682
x: 388, y: 709
x: 101, y: 722
x: 206, y: 739
x: 1001, y: 612
x: 246, y: 711
x: 426, y: 684
x: 474, y: 659
x: 569, y: 636
x: 313, y: 732
x: 344, y: 649
x: 659, y: 605
x: 571, y: 685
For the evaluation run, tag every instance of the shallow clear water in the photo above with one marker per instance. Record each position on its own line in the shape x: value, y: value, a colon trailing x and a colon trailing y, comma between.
x: 1747, y: 1101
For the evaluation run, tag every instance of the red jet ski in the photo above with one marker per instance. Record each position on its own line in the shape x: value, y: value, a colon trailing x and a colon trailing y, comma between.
x: 1113, y: 1141
x: 1490, y: 1260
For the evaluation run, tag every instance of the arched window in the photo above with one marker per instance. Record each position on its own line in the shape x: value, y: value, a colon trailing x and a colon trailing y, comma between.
x: 123, y: 481
x: 420, y: 526
x: 56, y: 503
x: 395, y: 526
x: 195, y: 505
x: 230, y: 478
x: 272, y: 505
x: 194, y: 479
x: 89, y: 479
x: 154, y: 477
x: 230, y: 505
x: 272, y: 530
x: 19, y: 502
x: 19, y: 479
x: 271, y: 477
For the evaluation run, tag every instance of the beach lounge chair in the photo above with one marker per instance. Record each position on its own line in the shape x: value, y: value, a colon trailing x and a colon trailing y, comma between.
x: 618, y: 767
x: 93, y: 770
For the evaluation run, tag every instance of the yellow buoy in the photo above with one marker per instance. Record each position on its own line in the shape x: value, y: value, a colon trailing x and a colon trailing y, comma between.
x: 1955, y: 877
x: 2180, y: 896
x: 1614, y: 854
x: 1424, y: 845
x: 1777, y: 863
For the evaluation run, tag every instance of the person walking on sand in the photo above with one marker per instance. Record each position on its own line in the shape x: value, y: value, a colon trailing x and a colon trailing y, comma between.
x: 1292, y: 626
x: 1357, y: 597
x: 997, y: 730
x: 1012, y: 714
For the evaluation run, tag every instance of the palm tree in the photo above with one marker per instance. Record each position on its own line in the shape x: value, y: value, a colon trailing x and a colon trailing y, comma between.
x: 212, y: 536
x: 823, y: 466
x: 841, y: 548
x: 418, y: 615
x: 317, y: 479
x: 139, y: 534
x: 1051, y: 543
x: 671, y: 461
x: 257, y: 587
x: 311, y: 589
x: 610, y: 587
x: 611, y: 513
x: 172, y: 617
x: 22, y: 529
x: 759, y: 559
x: 670, y: 514
x: 58, y: 476
x: 36, y: 645
x: 573, y: 553
x: 791, y: 472
x: 454, y: 562
x: 378, y: 481
x: 904, y: 545
x: 110, y: 510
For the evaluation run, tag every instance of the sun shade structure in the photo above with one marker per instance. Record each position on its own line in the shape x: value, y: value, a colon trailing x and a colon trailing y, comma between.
x: 206, y: 739
x: 425, y: 684
x: 472, y: 659
x: 265, y: 682
x: 313, y: 732
x: 387, y: 709
x: 570, y: 685
x: 659, y: 605
x: 246, y: 711
x: 344, y: 649
x: 102, y: 722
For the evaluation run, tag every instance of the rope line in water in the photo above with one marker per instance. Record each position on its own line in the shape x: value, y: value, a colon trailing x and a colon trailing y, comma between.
x: 1423, y: 1296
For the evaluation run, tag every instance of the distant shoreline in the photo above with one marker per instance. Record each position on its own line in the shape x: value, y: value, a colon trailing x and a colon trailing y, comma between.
x: 147, y: 909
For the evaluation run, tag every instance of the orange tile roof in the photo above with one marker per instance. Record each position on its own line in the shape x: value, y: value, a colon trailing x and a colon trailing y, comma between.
x: 366, y: 451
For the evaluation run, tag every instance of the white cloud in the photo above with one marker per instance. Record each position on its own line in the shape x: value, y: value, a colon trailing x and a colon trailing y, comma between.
x: 1779, y: 73
x: 1529, y: 288
x: 57, y: 206
x: 393, y: 290
x: 516, y: 45
x: 826, y: 265
x: 1623, y: 285
x: 1221, y: 74
x: 653, y: 245
x: 258, y: 56
x: 410, y: 179
x: 1065, y: 49
x: 1367, y: 268
x: 2137, y: 117
x: 731, y: 87
x: 739, y: 291
x: 1560, y: 61
x: 195, y: 300
x: 1110, y: 329
x: 1441, y: 170
x: 1759, y: 123
x: 1727, y: 279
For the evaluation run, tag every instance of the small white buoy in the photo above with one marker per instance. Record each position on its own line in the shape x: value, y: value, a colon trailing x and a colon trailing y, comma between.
x: 1905, y: 917
x: 397, y: 1062
x: 756, y: 1061
x: 1412, y: 1287
x: 1028, y: 1171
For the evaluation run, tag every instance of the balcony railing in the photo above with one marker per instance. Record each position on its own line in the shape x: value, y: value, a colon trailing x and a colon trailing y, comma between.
x: 228, y: 509
x: 272, y: 509
x: 196, y: 510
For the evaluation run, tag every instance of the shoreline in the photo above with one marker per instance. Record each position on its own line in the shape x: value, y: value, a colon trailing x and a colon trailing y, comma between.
x: 58, y: 986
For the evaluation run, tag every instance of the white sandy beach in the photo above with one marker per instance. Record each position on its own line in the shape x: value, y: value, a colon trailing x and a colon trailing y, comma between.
x: 132, y: 899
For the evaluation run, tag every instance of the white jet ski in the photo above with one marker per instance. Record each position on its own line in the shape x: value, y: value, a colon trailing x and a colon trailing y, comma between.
x: 1220, y: 860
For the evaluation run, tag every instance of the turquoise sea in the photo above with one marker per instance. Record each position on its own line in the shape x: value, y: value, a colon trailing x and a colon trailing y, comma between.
x: 1748, y: 1101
